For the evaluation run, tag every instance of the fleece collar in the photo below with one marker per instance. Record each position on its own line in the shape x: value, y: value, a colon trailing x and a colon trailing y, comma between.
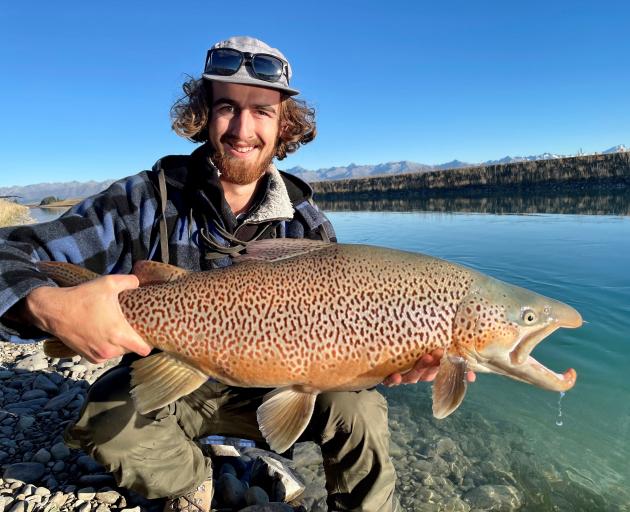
x: 276, y: 204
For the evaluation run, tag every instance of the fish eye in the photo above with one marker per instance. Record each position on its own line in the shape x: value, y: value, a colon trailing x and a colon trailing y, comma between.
x: 529, y: 316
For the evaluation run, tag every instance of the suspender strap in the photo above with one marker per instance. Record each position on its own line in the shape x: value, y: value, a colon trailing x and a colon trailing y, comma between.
x: 316, y: 220
x: 163, y: 228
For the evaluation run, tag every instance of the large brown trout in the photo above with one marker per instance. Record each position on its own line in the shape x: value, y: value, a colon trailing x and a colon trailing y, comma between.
x: 305, y: 317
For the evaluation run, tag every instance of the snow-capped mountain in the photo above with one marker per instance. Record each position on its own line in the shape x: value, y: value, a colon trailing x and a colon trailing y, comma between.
x: 617, y: 149
x: 531, y: 158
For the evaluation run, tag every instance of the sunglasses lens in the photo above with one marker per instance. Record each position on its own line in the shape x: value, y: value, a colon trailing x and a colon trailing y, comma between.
x: 267, y: 67
x: 224, y: 62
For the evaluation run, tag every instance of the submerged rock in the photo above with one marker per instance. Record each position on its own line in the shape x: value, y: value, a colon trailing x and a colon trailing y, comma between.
x: 499, y: 498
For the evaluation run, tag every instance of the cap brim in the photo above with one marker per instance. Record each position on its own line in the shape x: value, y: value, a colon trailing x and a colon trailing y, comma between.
x: 236, y: 79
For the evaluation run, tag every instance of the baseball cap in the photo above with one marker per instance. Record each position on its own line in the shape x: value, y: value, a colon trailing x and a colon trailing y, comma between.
x: 257, y: 52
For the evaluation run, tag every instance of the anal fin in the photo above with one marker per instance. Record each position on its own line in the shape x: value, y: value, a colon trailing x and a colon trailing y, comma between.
x: 449, y: 387
x: 160, y: 379
x: 284, y: 415
x: 55, y: 348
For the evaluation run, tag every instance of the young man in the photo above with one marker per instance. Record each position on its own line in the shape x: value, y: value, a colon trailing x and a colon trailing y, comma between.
x: 194, y: 212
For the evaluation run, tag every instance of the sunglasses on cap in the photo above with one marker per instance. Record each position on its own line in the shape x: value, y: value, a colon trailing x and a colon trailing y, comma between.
x: 227, y: 61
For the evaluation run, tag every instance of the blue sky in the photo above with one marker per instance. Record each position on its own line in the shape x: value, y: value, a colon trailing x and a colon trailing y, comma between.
x: 86, y: 87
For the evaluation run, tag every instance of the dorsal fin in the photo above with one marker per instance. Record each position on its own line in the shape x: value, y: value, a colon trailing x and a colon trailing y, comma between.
x: 276, y: 249
x: 153, y: 272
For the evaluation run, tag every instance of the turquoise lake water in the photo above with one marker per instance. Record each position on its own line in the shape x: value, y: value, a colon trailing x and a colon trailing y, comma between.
x: 579, y: 259
x: 583, y: 260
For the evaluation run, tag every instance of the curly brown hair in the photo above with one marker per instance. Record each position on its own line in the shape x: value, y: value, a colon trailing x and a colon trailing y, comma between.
x: 190, y: 115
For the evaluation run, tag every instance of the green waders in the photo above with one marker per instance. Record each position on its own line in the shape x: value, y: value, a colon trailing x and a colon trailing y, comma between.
x: 156, y: 454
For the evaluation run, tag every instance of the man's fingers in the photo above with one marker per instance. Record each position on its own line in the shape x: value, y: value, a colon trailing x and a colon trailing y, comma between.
x: 121, y: 282
x: 139, y: 346
x: 393, y: 380
x: 437, y: 354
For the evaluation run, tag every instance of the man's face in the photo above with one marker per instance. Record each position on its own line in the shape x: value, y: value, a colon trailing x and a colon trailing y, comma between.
x: 243, y: 130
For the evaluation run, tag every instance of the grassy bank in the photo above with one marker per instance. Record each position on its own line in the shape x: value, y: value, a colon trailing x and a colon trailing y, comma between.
x: 12, y: 214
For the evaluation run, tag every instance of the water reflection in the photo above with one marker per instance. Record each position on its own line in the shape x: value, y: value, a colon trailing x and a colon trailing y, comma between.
x: 592, y: 202
x: 46, y: 214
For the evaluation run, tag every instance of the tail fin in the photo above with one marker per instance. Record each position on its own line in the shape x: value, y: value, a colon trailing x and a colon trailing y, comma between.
x: 66, y: 274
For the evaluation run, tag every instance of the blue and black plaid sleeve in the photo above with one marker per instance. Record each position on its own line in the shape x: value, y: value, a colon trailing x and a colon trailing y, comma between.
x: 105, y: 233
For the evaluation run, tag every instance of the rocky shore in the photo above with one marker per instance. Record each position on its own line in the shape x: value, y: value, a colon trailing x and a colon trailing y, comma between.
x: 478, y: 469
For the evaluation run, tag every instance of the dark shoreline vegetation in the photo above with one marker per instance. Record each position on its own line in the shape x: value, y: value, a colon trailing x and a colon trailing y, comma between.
x: 588, y: 181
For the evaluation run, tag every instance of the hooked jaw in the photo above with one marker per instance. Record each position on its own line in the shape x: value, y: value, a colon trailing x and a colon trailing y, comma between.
x: 523, y: 366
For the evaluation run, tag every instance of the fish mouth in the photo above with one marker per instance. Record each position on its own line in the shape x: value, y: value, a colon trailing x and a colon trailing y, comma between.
x: 533, y: 372
x: 522, y: 366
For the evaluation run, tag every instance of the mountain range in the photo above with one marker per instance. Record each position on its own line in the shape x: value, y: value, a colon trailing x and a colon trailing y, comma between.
x: 75, y: 189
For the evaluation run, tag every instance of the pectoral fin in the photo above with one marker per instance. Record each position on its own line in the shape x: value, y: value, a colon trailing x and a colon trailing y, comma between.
x: 154, y: 272
x: 160, y: 379
x: 55, y: 348
x: 283, y: 416
x: 449, y: 387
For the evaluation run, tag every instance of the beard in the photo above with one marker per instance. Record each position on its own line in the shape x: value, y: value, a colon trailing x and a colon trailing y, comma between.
x: 242, y: 172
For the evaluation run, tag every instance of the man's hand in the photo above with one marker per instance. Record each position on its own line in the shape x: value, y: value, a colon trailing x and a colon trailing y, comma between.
x: 425, y: 370
x: 87, y: 318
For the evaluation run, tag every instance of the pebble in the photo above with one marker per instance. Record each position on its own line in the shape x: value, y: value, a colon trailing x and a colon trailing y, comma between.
x: 34, y: 393
x: 33, y: 362
x: 25, y: 422
x: 230, y: 491
x: 59, y: 451
x: 42, y: 456
x: 45, y: 384
x: 25, y: 471
x: 256, y: 496
x: 89, y: 465
x: 504, y: 498
x: 86, y: 493
x: 108, y: 497
x: 60, y: 401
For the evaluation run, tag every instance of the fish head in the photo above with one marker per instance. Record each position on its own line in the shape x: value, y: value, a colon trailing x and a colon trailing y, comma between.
x: 497, y: 326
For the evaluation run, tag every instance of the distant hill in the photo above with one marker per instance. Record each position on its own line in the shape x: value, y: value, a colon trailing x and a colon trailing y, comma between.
x: 74, y: 189
x: 35, y: 193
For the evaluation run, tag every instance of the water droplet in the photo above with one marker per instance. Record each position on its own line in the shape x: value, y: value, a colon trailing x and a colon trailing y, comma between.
x: 559, y: 421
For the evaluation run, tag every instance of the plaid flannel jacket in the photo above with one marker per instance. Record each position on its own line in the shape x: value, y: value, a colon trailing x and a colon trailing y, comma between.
x: 107, y: 233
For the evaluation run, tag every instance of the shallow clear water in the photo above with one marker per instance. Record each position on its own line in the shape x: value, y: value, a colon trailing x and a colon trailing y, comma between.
x: 581, y: 260
x: 46, y: 214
